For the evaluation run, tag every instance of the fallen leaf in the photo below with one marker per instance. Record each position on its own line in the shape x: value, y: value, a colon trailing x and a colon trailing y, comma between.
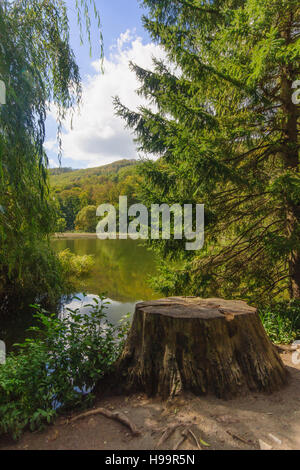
x: 204, y: 443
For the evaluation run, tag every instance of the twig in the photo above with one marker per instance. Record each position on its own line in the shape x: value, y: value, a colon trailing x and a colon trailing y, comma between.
x: 168, y: 432
x: 181, y: 441
x: 195, y: 439
x: 108, y: 414
x: 238, y: 438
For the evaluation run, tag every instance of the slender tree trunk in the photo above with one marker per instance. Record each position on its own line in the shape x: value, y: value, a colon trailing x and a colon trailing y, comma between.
x: 291, y: 164
x: 295, y: 275
x: 293, y: 225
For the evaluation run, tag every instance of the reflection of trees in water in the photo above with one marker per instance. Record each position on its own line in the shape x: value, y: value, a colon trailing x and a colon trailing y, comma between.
x: 122, y: 267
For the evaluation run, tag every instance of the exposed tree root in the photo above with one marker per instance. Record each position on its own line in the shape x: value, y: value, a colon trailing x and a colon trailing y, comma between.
x: 284, y: 348
x: 195, y: 439
x: 184, y: 435
x: 168, y: 433
x: 108, y: 414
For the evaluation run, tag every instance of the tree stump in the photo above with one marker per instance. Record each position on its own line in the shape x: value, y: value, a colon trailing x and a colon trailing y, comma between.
x: 202, y: 345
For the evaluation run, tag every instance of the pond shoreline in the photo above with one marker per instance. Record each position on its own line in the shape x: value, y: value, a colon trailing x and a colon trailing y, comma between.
x: 74, y: 235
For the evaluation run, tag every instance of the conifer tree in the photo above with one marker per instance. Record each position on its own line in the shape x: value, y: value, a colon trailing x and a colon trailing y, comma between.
x: 226, y: 128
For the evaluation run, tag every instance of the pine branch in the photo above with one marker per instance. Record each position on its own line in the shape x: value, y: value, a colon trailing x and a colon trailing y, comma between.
x: 211, y: 11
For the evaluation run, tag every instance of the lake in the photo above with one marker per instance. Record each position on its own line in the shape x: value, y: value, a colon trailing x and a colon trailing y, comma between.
x: 121, y: 271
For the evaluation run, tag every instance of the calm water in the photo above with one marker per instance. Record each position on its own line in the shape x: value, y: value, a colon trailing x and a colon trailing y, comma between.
x: 121, y: 270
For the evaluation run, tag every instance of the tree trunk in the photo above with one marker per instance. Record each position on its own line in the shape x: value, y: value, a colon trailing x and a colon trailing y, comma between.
x: 294, y: 260
x: 205, y: 346
x: 290, y: 152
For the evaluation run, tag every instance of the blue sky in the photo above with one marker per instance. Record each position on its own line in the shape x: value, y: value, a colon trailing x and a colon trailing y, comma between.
x: 117, y: 16
x: 98, y: 136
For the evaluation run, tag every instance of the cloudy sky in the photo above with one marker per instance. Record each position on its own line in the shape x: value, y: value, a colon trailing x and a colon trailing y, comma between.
x: 98, y: 136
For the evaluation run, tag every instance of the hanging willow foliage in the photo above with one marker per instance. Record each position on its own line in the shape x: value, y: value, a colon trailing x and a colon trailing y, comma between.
x: 39, y: 69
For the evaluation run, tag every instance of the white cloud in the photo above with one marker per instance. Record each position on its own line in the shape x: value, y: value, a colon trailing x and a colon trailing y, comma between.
x: 53, y: 163
x: 98, y: 135
x: 51, y: 145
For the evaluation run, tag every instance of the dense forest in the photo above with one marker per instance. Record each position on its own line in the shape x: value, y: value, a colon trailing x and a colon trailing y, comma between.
x: 78, y: 193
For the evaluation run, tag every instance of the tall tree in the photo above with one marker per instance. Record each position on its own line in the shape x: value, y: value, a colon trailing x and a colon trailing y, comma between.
x: 227, y: 131
x: 86, y: 220
x: 38, y: 68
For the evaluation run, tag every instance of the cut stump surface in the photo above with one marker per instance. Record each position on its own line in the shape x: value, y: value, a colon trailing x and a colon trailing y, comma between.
x: 202, y: 345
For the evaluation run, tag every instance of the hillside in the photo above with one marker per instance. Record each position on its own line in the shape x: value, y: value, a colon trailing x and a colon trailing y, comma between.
x: 69, y: 176
x: 76, y: 190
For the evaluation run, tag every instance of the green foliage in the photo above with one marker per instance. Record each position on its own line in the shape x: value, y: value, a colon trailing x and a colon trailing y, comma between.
x: 67, y: 209
x: 40, y: 278
x: 38, y: 67
x: 86, y: 220
x: 225, y: 130
x: 282, y: 321
x: 75, y: 265
x: 61, y: 225
x: 57, y: 369
x: 75, y: 189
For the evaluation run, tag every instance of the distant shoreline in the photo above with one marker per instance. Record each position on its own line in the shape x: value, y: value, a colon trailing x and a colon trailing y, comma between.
x: 84, y: 235
x: 74, y: 235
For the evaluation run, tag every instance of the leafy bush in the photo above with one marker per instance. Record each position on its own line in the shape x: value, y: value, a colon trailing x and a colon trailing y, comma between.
x: 75, y: 265
x: 36, y: 274
x: 282, y: 321
x: 58, y: 368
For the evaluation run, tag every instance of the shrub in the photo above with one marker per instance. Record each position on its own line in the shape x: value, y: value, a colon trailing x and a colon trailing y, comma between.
x: 58, y: 368
x: 36, y: 275
x: 75, y: 265
x: 282, y: 321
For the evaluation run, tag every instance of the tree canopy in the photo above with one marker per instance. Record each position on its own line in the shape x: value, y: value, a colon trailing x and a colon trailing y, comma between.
x: 226, y: 130
x: 75, y: 189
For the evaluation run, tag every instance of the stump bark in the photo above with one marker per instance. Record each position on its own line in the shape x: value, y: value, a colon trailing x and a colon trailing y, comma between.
x: 202, y: 345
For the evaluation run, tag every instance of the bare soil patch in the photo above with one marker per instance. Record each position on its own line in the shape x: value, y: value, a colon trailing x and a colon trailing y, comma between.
x: 256, y: 421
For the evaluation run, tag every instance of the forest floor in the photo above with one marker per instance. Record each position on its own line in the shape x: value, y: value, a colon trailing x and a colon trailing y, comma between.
x: 257, y: 421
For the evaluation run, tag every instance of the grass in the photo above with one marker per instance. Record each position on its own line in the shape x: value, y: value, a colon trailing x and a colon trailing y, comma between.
x: 282, y: 321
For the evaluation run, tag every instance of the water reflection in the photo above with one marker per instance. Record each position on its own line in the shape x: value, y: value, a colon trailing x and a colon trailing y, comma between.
x: 115, y: 310
x: 122, y: 267
x: 121, y: 270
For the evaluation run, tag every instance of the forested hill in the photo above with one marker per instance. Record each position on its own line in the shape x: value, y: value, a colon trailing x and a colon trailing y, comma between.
x: 63, y: 174
x: 78, y: 192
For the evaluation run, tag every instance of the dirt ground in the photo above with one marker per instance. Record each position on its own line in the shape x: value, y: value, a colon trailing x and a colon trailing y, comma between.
x: 256, y: 421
